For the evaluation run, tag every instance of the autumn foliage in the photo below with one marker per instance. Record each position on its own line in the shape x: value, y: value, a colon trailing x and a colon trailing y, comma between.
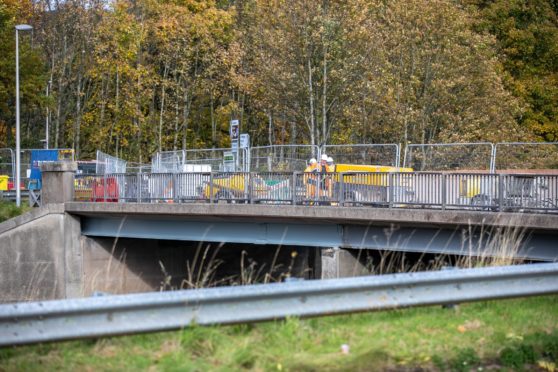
x: 134, y: 77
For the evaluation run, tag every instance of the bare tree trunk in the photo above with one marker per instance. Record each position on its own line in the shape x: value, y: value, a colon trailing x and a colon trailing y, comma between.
x: 213, y: 125
x: 77, y: 123
x: 60, y: 94
x: 160, y: 144
x: 185, y: 116
x: 324, y: 101
x: 311, y: 98
x: 270, y: 128
x: 103, y: 101
x: 176, y: 120
x: 116, y: 108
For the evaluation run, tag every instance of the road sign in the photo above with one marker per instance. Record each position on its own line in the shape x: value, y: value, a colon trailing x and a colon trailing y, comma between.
x: 244, y: 141
x: 234, y: 130
x: 228, y: 162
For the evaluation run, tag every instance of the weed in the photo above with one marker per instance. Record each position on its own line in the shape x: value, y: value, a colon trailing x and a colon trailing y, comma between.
x: 465, y: 360
x: 10, y: 210
x: 517, y: 356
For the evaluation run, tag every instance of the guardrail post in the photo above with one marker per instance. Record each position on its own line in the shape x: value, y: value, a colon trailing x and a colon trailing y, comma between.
x: 500, y: 193
x: 138, y: 186
x: 173, y: 189
x: 211, y: 187
x: 105, y: 187
x: 444, y: 191
x: 251, y: 188
x: 293, y: 188
x: 391, y: 189
x: 341, y: 196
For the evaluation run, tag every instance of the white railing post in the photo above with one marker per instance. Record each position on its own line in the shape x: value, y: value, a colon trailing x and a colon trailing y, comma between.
x: 444, y: 191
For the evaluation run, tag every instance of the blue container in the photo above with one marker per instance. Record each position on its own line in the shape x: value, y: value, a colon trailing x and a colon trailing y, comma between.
x: 40, y: 156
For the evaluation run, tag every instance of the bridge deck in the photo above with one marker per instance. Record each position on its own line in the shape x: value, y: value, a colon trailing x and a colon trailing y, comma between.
x: 352, y: 215
x: 424, y: 231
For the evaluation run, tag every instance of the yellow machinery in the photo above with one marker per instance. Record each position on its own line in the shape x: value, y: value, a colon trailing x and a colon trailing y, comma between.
x: 230, y: 186
x: 355, y: 183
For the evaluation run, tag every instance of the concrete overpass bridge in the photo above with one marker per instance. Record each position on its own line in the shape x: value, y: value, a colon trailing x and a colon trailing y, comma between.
x: 410, y: 230
x: 71, y: 249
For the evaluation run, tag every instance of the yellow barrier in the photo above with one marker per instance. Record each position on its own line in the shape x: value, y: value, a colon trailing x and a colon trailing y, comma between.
x: 4, y: 183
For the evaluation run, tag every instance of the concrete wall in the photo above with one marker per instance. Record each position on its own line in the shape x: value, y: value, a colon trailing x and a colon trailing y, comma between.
x: 139, y: 265
x: 32, y: 256
x: 43, y: 256
x: 129, y: 265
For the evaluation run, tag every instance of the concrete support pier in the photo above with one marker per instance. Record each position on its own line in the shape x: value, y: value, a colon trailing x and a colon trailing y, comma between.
x: 342, y: 263
x: 58, y: 181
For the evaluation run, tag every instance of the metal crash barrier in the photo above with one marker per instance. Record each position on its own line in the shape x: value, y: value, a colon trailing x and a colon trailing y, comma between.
x: 34, y: 322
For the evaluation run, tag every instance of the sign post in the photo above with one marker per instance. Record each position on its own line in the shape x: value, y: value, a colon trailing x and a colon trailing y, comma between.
x: 235, y: 134
x: 245, y: 148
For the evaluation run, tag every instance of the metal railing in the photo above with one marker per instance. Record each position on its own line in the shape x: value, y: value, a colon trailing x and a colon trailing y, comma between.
x: 480, y: 191
x: 25, y: 323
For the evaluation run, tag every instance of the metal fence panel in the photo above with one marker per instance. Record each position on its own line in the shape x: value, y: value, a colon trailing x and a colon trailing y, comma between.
x: 362, y: 188
x: 190, y: 186
x: 160, y: 187
x: 282, y: 158
x: 134, y: 167
x: 425, y: 189
x: 526, y: 155
x: 272, y: 187
x: 212, y: 157
x: 481, y: 191
x: 109, y: 164
x: 376, y: 154
x: 231, y: 187
x: 530, y: 192
x: 315, y: 188
x: 472, y: 190
x: 168, y: 161
x: 7, y: 163
x: 449, y: 156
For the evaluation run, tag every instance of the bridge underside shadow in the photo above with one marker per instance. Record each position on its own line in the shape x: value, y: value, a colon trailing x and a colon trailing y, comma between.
x: 462, y: 240
x: 127, y: 265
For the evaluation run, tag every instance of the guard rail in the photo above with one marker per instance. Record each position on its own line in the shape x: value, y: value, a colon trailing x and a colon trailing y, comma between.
x: 25, y: 323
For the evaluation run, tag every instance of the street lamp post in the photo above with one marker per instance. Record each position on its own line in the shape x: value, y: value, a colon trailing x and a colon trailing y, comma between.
x: 18, y: 150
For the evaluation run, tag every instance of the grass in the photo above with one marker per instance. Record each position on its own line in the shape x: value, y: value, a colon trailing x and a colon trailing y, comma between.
x: 520, y: 334
x: 9, y: 210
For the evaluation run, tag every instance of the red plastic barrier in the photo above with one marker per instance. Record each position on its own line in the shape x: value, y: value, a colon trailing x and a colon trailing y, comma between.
x: 105, y: 193
x: 12, y: 187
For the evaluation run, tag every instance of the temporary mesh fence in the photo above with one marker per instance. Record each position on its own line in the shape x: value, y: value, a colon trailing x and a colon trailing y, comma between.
x: 135, y: 167
x: 526, y: 155
x: 211, y: 157
x: 449, y: 156
x: 109, y: 164
x: 377, y: 154
x: 168, y: 161
x: 281, y: 158
x: 7, y: 163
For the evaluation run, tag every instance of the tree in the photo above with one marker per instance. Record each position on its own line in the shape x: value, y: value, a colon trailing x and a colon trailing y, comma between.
x: 527, y: 34
x: 32, y: 78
